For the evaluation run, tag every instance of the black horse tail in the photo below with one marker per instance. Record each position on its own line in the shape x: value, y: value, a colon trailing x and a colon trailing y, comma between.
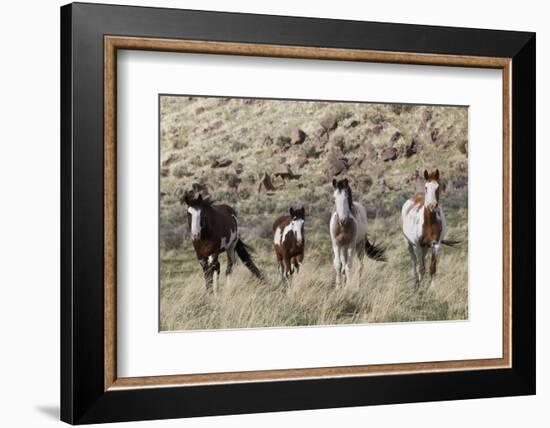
x: 450, y: 243
x: 243, y: 251
x: 375, y: 252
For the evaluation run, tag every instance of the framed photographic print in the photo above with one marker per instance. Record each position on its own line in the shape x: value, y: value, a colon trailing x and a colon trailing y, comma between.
x: 265, y: 213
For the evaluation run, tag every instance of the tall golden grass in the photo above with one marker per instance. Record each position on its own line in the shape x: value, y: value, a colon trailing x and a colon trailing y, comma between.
x: 380, y: 292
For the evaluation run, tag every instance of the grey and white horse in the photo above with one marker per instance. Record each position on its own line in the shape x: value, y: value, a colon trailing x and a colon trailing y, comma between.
x: 348, y: 232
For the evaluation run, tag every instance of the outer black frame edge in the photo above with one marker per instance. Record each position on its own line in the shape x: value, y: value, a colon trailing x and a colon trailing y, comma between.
x: 302, y: 31
x: 82, y: 397
x: 66, y: 369
x: 523, y: 222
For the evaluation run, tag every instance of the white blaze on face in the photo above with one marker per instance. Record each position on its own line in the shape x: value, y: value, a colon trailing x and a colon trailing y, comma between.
x: 195, y: 223
x: 297, y: 226
x: 430, y: 197
x: 342, y: 204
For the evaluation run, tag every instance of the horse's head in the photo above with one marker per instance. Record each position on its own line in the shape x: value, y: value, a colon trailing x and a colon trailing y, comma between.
x: 195, y: 214
x: 298, y: 218
x: 342, y: 198
x: 431, y: 190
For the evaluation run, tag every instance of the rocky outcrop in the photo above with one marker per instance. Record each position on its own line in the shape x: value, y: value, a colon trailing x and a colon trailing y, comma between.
x: 285, y: 173
x: 329, y: 122
x: 411, y: 148
x: 265, y: 184
x: 337, y: 164
x: 389, y: 154
x: 221, y: 163
x: 297, y: 136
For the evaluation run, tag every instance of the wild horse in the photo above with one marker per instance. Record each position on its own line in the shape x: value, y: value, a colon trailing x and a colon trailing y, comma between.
x: 348, y: 231
x: 423, y: 223
x: 215, y: 229
x: 289, y: 241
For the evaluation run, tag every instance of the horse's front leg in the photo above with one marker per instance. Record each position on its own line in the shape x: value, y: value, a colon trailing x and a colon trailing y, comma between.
x: 280, y: 268
x: 421, y: 255
x: 207, y: 274
x: 288, y: 267
x: 297, y: 262
x: 337, y: 264
x: 412, y: 253
x: 433, y: 264
x: 294, y: 264
x: 348, y: 254
x: 214, y: 269
x: 344, y: 260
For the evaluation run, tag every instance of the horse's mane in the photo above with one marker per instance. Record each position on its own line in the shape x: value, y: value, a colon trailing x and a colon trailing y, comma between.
x: 208, y: 202
x: 344, y: 185
x: 350, y: 198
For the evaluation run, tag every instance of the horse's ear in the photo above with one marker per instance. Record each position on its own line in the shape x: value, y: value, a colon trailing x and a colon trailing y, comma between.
x: 303, y: 211
x: 426, y: 175
x: 199, y: 198
x: 334, y: 183
x: 437, y: 174
x: 291, y: 211
x: 346, y: 182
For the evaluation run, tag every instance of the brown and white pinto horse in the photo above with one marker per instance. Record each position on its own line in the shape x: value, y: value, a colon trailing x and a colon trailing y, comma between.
x: 214, y: 229
x: 289, y: 242
x: 348, y: 231
x: 423, y: 223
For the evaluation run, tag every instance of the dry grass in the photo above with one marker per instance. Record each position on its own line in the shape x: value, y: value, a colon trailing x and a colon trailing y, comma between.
x: 382, y: 292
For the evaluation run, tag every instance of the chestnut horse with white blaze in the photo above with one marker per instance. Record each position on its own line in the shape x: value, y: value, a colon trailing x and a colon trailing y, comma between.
x: 348, y: 232
x: 214, y: 230
x: 423, y: 223
x: 289, y: 241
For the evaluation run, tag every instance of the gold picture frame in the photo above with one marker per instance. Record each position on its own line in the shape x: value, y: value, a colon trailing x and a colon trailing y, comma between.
x: 114, y: 43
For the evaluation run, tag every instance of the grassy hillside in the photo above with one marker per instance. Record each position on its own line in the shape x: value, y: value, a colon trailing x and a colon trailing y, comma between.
x: 228, y: 147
